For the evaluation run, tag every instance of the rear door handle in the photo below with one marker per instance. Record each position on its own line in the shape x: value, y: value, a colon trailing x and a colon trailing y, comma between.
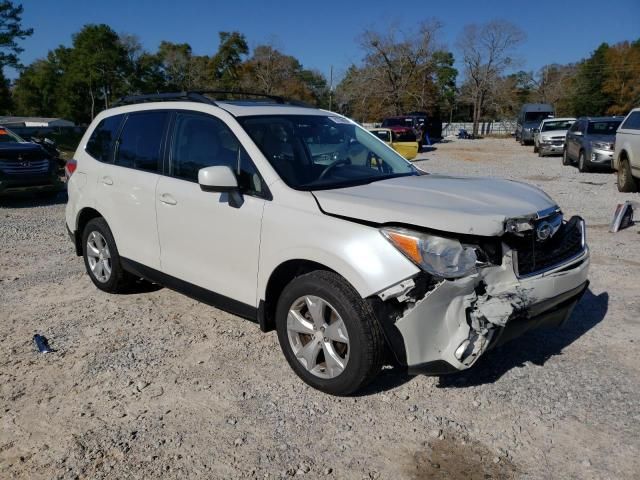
x: 107, y: 180
x: 168, y: 199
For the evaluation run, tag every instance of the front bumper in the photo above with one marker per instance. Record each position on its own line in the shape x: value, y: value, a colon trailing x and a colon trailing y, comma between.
x: 601, y: 158
x: 440, y: 333
x: 550, y: 148
x: 49, y: 183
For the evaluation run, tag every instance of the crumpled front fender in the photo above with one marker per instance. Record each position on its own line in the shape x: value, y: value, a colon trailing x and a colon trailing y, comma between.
x: 457, y: 321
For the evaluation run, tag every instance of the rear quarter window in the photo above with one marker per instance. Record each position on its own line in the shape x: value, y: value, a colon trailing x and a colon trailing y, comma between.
x: 140, y: 141
x: 101, y: 142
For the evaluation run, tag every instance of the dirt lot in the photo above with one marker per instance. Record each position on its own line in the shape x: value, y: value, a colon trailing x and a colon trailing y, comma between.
x: 156, y: 384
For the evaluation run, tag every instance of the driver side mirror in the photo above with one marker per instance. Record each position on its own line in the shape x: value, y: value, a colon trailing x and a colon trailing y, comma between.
x: 219, y: 178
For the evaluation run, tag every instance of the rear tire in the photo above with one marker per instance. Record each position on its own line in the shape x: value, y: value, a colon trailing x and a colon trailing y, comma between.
x: 535, y: 148
x: 359, y: 350
x: 626, y: 182
x: 101, y: 258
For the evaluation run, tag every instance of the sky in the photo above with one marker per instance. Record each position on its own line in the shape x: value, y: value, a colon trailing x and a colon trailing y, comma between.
x: 324, y: 33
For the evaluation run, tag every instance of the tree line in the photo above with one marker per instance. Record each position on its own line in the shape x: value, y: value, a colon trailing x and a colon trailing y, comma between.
x: 605, y: 83
x: 401, y: 71
x: 100, y: 66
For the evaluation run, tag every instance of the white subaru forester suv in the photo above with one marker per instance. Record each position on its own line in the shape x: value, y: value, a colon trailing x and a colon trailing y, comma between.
x: 304, y: 222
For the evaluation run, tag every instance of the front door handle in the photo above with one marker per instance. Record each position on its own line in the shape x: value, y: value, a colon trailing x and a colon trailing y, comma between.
x: 168, y: 199
x: 107, y: 180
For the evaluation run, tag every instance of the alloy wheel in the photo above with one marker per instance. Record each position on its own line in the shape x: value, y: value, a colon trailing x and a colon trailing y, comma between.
x: 99, y: 257
x: 318, y: 336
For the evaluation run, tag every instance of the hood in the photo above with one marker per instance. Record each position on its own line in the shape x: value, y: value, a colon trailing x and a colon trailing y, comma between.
x: 463, y: 205
x: 399, y: 129
x: 20, y: 147
x: 22, y: 151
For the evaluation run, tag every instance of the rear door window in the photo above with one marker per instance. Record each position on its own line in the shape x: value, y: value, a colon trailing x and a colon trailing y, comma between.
x: 139, y: 143
x: 101, y: 142
x: 632, y: 122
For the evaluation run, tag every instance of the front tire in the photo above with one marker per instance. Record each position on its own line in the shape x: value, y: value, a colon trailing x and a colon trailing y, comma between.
x: 582, y: 163
x: 565, y: 157
x: 626, y: 182
x: 101, y: 258
x: 328, y: 333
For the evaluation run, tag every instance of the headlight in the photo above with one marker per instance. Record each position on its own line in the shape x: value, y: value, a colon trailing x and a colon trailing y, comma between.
x: 439, y: 256
x: 602, y: 145
x: 545, y: 140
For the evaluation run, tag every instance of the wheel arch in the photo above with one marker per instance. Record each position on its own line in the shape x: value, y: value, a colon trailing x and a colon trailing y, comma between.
x: 83, y: 217
x: 623, y: 155
x: 278, y: 280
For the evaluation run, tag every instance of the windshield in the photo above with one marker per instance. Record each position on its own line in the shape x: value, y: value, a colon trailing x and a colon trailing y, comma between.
x: 404, y: 136
x: 533, y: 117
x: 398, y: 122
x: 608, y: 127
x: 8, y: 136
x: 559, y: 125
x: 313, y: 152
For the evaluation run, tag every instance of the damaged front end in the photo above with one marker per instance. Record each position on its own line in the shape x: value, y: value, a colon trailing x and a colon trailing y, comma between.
x: 436, y: 325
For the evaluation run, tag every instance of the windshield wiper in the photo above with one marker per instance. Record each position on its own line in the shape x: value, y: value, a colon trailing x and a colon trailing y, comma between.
x: 356, y: 182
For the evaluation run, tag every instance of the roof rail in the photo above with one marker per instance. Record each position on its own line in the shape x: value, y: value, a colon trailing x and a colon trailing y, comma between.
x: 276, y: 98
x: 163, y: 97
x: 203, y: 96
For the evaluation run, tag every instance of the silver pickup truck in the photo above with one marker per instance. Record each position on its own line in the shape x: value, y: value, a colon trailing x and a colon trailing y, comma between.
x: 549, y: 138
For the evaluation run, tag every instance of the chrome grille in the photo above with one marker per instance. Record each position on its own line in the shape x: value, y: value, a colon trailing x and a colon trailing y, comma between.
x: 533, y: 257
x: 24, y: 167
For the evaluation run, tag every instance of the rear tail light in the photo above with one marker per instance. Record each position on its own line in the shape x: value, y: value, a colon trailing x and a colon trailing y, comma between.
x: 70, y: 167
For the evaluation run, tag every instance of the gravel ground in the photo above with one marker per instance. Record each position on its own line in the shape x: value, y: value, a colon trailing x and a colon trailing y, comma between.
x: 156, y: 384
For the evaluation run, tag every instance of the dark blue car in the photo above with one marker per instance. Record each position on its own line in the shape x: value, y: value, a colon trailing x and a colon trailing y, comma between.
x: 27, y: 166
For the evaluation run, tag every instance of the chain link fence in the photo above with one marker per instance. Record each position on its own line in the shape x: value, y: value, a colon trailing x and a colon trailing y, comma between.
x: 502, y: 127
